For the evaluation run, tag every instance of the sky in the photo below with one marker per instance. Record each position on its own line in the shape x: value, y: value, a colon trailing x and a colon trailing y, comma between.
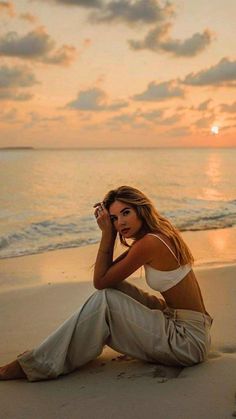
x: 117, y: 73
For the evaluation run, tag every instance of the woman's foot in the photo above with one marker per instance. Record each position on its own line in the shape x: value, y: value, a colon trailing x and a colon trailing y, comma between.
x: 11, y: 371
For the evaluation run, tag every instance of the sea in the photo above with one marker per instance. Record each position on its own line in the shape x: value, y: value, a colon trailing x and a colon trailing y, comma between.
x: 47, y: 196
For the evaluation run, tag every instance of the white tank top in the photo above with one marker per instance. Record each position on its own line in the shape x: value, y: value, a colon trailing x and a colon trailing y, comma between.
x: 163, y: 280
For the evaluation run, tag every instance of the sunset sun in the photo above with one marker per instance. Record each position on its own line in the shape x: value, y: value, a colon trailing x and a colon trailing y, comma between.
x: 215, y: 129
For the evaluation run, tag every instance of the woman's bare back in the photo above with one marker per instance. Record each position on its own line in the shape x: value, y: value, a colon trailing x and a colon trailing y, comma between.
x: 184, y: 295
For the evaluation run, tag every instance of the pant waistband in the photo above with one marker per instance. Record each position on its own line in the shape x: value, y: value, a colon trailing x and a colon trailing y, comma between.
x: 182, y: 314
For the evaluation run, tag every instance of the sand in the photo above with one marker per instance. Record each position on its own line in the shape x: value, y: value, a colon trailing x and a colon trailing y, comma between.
x: 38, y: 292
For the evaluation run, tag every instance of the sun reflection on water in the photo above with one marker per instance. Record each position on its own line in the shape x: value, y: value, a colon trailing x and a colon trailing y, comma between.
x: 210, y: 190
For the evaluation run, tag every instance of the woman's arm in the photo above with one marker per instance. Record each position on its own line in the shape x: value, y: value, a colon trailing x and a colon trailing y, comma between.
x: 104, y: 256
x: 122, y: 256
x: 107, y: 274
x: 110, y: 275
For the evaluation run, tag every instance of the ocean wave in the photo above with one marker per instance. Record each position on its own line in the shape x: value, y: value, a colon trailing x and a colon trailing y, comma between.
x: 49, y: 235
x: 210, y: 222
x: 76, y: 231
x: 3, y: 242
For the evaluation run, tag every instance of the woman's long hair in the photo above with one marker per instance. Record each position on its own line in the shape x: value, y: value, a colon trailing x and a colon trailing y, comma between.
x: 152, y: 220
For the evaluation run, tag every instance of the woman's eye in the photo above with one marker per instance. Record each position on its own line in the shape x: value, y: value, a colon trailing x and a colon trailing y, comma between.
x: 126, y: 212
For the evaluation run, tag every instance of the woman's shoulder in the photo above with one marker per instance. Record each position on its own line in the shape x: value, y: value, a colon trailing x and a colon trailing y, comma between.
x: 157, y: 235
x: 160, y: 240
x: 148, y: 242
x: 150, y: 239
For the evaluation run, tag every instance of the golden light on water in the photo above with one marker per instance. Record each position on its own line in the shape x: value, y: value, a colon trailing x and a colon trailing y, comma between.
x: 213, y: 172
x: 215, y: 129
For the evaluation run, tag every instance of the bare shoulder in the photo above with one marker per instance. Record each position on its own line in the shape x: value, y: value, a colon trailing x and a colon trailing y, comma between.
x: 160, y: 246
x: 145, y: 245
x: 159, y: 240
x: 145, y: 241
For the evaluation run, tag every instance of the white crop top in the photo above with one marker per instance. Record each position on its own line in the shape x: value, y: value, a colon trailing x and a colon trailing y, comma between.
x: 164, y: 280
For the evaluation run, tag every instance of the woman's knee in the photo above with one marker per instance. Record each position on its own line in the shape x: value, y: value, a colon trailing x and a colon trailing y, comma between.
x: 104, y: 294
x: 108, y: 296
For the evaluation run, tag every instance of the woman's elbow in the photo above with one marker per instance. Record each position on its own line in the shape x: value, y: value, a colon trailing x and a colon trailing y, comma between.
x: 98, y: 285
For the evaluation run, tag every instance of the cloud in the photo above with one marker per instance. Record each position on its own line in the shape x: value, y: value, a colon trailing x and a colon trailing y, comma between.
x: 190, y: 46
x: 221, y: 74
x: 203, y: 106
x: 161, y: 91
x: 13, y: 79
x: 7, y: 7
x: 16, y: 77
x: 62, y: 56
x: 156, y: 116
x: 125, y: 118
x: 171, y: 120
x: 153, y: 115
x: 88, y: 4
x: 128, y: 120
x: 28, y: 17
x: 94, y: 99
x: 10, y: 116
x: 123, y: 11
x: 139, y: 11
x: 35, y: 45
x: 153, y: 38
x: 158, y: 40
x: 145, y: 12
x: 9, y: 94
x: 36, y: 119
x: 224, y: 107
x: 227, y: 127
x: 204, y: 122
x: 177, y: 132
x: 143, y: 119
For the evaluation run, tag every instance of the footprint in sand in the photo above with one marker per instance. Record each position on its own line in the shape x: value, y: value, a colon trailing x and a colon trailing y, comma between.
x: 160, y: 373
x: 166, y: 372
x: 120, y: 375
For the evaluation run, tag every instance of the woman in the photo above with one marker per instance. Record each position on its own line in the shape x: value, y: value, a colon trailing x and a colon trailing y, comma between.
x: 173, y: 330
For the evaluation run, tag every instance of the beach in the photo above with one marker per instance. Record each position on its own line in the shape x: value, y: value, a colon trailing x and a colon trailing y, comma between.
x: 101, y: 100
x: 39, y: 292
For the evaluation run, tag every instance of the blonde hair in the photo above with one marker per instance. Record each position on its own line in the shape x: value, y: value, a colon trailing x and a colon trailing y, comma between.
x: 152, y: 220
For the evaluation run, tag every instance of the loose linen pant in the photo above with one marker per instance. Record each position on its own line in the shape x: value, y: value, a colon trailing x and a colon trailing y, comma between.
x: 128, y: 320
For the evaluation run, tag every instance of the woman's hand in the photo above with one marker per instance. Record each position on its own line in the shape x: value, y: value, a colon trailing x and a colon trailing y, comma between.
x: 103, y: 219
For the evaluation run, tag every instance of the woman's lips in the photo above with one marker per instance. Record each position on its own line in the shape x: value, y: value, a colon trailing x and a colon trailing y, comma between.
x: 125, y: 230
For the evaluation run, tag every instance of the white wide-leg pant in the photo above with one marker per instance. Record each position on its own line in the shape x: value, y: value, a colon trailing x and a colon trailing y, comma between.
x: 128, y: 320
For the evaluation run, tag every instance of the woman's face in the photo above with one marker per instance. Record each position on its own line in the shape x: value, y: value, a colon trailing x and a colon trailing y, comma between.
x: 125, y: 219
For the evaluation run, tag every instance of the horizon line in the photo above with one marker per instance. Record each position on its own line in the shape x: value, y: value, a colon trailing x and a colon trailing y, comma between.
x: 30, y: 148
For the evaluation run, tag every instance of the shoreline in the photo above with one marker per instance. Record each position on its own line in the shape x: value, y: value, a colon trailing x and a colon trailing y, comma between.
x: 211, y: 248
x: 221, y: 243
